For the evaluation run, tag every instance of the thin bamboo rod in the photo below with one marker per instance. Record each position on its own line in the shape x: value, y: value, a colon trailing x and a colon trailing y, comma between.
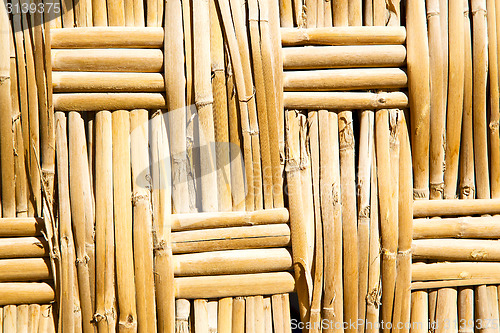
x: 231, y: 238
x: 108, y: 101
x: 212, y: 307
x: 298, y: 13
x: 466, y: 310
x: 110, y: 82
x: 452, y: 283
x: 99, y: 13
x: 460, y: 227
x: 259, y: 314
x: 82, y: 19
x: 250, y: 315
x: 344, y: 56
x: 419, y: 94
x: 200, y: 316
x: 23, y: 247
x: 277, y: 308
x: 343, y: 36
x: 311, y: 13
x: 238, y: 320
x: 268, y: 316
x: 68, y: 13
x: 455, y: 249
x: 225, y: 315
x: 20, y: 227
x: 33, y: 318
x: 26, y: 293
x: 379, y: 13
x: 104, y: 231
x: 344, y: 100
x: 116, y: 12
x: 456, y: 207
x: 234, y: 285
x: 142, y: 227
x: 122, y: 208
x: 443, y: 17
x: 480, y: 70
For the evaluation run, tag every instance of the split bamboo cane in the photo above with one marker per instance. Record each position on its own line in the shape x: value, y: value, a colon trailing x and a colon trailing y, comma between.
x: 225, y: 314
x: 9, y: 318
x: 238, y: 320
x: 465, y: 310
x: 122, y: 207
x: 22, y: 318
x: 33, y: 318
x: 142, y: 230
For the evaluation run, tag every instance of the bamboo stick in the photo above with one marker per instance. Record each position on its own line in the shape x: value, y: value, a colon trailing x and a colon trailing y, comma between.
x: 108, y: 60
x: 317, y: 57
x: 259, y: 314
x: 212, y: 316
x: 233, y: 285
x: 344, y: 100
x: 345, y: 79
x: 419, y: 313
x: 298, y: 13
x: 182, y: 310
x: 467, y: 186
x: 232, y: 262
x: 349, y: 217
x: 447, y: 310
x: 493, y: 300
x: 82, y: 19
x: 311, y: 13
x: 443, y: 17
x: 286, y: 14
x: 104, y: 239
x: 68, y: 257
x: 250, y: 315
x: 483, y: 310
x: 480, y: 69
x: 20, y: 227
x: 111, y: 82
x: 23, y: 247
x: 122, y: 207
x: 418, y: 87
x: 465, y: 309
x: 355, y: 12
x: 379, y: 13
x: 33, y: 318
x: 142, y: 229
x: 47, y: 324
x: 340, y: 13
x: 10, y: 318
x: 277, y: 308
x: 200, y: 316
x: 297, y: 221
x: 67, y: 13
x: 204, y: 102
x: 116, y: 12
x: 456, y: 207
x: 268, y: 317
x: 454, y: 249
x: 461, y: 227
x: 22, y: 318
x: 225, y: 314
x: 99, y: 13
x: 161, y: 173
x: 238, y: 321
x: 453, y: 271
x: 286, y: 313
x: 231, y: 238
x: 26, y: 293
x: 108, y: 101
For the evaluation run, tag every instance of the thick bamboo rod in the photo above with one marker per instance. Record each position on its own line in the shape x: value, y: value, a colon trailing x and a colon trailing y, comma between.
x: 456, y: 249
x: 25, y: 269
x: 142, y: 227
x: 23, y: 247
x: 225, y: 315
x: 340, y: 13
x: 454, y: 271
x: 9, y: 318
x: 182, y: 312
x: 234, y: 285
x: 122, y: 208
x: 446, y: 309
x: 375, y: 56
x: 111, y: 82
x: 108, y: 60
x: 420, y: 285
x: 286, y: 16
x: 420, y: 312
x: 345, y: 79
x: 456, y: 207
x: 344, y: 100
x: 419, y: 94
x: 238, y: 320
x: 26, y: 293
x: 343, y: 36
x: 233, y: 262
x: 33, y: 318
x: 483, y: 308
x: 104, y: 231
x: 460, y: 227
x: 250, y: 315
x: 466, y: 310
x: 21, y: 227
x: 108, y: 101
x: 200, y: 316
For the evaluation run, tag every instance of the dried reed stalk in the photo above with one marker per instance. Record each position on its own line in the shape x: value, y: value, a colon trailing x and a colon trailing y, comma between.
x: 419, y: 93
x: 238, y: 320
x: 142, y: 229
x: 225, y: 315
x: 122, y: 207
x: 10, y: 318
x: 480, y: 70
x: 364, y: 209
x: 104, y: 231
x: 467, y: 186
x: 259, y: 314
x: 33, y: 318
x: 340, y: 13
x: 465, y: 309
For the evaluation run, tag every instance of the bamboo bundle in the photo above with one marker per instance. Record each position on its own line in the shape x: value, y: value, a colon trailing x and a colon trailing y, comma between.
x: 318, y: 57
x: 122, y: 208
x: 344, y: 79
x: 108, y: 101
x: 344, y: 100
x: 456, y: 207
x: 339, y: 35
x: 234, y: 285
x: 20, y: 227
x: 142, y: 228
x: 461, y: 227
x: 112, y: 82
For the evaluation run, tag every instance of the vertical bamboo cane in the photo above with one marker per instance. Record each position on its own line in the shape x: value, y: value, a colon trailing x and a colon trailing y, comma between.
x: 438, y: 111
x: 446, y: 309
x: 467, y: 187
x: 277, y: 305
x: 364, y: 208
x: 493, y: 300
x: 328, y: 11
x: 419, y: 94
x: 225, y: 313
x: 311, y: 12
x: 349, y: 218
x: 268, y: 316
x: 182, y: 310
x: 466, y: 310
x: 143, y: 242
x: 67, y: 246
x: 355, y: 12
x: 393, y: 7
x: 443, y: 9
x: 379, y: 13
x: 286, y: 313
x: 480, y: 69
x: 259, y: 314
x: 116, y: 12
x: 33, y: 318
x: 152, y: 13
x: 419, y: 312
x: 286, y: 14
x: 212, y: 316
x: 368, y: 12
x: 484, y: 311
x: 298, y: 11
x: 340, y: 13
x: 122, y: 191
x: 105, y: 277
x: 250, y: 315
x: 494, y: 107
x: 200, y: 316
x: 10, y: 318
x: 47, y: 324
x: 238, y: 321
x: 22, y: 318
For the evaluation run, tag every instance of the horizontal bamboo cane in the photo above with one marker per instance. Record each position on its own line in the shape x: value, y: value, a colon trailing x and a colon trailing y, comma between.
x: 344, y: 100
x: 107, y: 37
x: 460, y: 227
x: 343, y: 36
x: 233, y: 262
x: 20, y: 227
x: 454, y: 271
x: 344, y: 56
x: 26, y: 293
x: 456, y: 249
x: 191, y: 221
x: 425, y: 208
x: 108, y: 101
x: 23, y: 247
x: 277, y: 235
x: 31, y: 269
x: 420, y: 285
x: 108, y: 60
x: 234, y: 285
x: 112, y: 82
x: 345, y: 79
